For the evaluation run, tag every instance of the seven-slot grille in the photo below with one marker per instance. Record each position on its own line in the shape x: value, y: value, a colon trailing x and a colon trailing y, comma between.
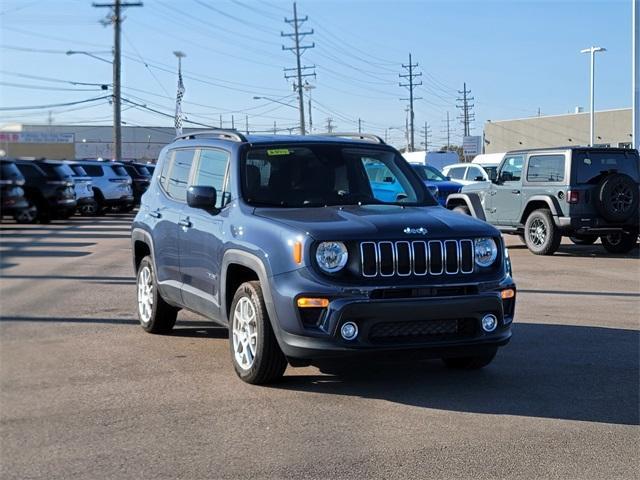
x: 419, y: 257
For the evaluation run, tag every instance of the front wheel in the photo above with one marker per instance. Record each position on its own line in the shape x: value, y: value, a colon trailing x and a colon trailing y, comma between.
x: 620, y: 242
x: 462, y: 209
x: 473, y: 362
x: 540, y: 233
x: 155, y: 315
x: 255, y: 352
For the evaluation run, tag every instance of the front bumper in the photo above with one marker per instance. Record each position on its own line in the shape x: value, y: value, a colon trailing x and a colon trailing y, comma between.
x: 434, y: 325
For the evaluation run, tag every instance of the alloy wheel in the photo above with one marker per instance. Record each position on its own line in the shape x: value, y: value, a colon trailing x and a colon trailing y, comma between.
x: 537, y: 232
x: 245, y: 333
x: 145, y: 294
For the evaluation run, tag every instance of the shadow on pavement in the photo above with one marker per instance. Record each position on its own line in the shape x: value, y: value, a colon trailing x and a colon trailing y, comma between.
x: 552, y: 371
x: 596, y: 251
x: 577, y: 292
x: 109, y: 280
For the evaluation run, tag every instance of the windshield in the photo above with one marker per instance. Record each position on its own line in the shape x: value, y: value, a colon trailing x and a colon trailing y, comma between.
x: 429, y: 173
x: 9, y: 171
x: 317, y: 175
x: 589, y: 166
x: 60, y: 170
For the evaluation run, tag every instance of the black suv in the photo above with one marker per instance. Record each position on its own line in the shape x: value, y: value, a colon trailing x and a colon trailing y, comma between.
x: 283, y: 240
x: 12, y: 200
x: 140, y: 176
x: 49, y: 187
x: 579, y: 192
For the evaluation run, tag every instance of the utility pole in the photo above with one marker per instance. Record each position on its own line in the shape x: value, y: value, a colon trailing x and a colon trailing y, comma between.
x: 275, y: 128
x: 298, y: 50
x: 220, y: 120
x: 359, y: 125
x: 246, y: 123
x: 308, y: 87
x: 116, y: 20
x: 467, y: 117
x: 329, y: 125
x: 447, y: 130
x: 592, y: 51
x: 426, y: 133
x: 411, y: 85
x: 233, y: 123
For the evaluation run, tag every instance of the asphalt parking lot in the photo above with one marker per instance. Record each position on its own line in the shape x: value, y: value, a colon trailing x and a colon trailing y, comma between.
x: 85, y: 393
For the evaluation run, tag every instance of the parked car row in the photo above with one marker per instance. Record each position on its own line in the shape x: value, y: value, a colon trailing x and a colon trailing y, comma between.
x: 39, y: 190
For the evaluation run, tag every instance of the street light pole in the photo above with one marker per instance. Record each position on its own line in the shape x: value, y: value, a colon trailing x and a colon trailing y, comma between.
x: 592, y: 51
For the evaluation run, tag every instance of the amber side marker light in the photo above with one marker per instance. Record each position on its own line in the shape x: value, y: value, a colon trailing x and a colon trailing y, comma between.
x: 304, y: 302
x: 508, y: 293
x: 297, y: 252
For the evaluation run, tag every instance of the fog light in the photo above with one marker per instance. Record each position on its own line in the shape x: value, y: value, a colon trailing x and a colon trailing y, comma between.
x: 349, y: 331
x: 489, y: 323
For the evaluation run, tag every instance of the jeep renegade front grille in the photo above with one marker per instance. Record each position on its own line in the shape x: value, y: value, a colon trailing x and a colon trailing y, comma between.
x: 418, y: 257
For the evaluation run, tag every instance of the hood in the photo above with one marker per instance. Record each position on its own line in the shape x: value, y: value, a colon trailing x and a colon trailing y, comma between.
x: 446, y: 185
x: 378, y: 222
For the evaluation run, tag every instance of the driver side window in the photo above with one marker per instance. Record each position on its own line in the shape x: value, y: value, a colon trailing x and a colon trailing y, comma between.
x: 511, y: 170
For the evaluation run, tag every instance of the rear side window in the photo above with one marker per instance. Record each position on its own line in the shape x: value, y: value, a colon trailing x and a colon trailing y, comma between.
x: 178, y: 177
x: 545, y: 168
x: 142, y: 170
x: 9, y: 170
x: 590, y: 166
x: 119, y: 170
x: 457, y: 172
x: 57, y: 171
x: 94, y: 170
x: 210, y: 172
x: 79, y: 171
x: 30, y: 171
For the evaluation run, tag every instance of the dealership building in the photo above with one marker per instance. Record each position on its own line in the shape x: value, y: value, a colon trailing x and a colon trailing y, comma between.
x: 83, y: 141
x: 612, y: 129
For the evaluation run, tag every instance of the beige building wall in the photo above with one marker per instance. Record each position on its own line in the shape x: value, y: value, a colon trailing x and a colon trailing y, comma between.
x: 612, y: 127
x: 46, y: 150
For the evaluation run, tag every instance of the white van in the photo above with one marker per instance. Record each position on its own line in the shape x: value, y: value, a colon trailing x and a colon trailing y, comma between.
x: 466, y: 173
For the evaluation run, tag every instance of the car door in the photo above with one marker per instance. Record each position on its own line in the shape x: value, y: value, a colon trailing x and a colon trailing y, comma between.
x: 200, y: 235
x: 507, y: 200
x: 166, y: 211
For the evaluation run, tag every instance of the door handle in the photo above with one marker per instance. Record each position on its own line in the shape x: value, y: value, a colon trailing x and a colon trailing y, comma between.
x: 155, y: 214
x: 493, y: 192
x: 185, y: 223
x: 516, y: 192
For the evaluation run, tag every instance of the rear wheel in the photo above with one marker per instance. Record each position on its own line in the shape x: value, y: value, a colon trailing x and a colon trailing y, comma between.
x: 540, y: 233
x: 27, y: 215
x: 255, y: 352
x: 620, y: 242
x: 583, y: 240
x: 473, y: 362
x: 155, y: 315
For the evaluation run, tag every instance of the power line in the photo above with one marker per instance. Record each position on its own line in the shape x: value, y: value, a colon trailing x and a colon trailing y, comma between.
x: 298, y: 50
x: 43, y: 87
x: 52, y: 105
x: 411, y: 76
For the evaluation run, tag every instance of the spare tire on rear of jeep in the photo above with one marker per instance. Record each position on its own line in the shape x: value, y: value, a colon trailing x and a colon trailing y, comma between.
x: 617, y: 197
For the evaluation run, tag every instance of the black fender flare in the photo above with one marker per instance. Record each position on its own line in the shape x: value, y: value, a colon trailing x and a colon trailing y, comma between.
x: 551, y: 201
x: 252, y: 261
x: 472, y: 201
x: 141, y: 235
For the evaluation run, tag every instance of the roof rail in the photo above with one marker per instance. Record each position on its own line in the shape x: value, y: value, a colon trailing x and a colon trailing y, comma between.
x: 356, y: 136
x: 226, y: 134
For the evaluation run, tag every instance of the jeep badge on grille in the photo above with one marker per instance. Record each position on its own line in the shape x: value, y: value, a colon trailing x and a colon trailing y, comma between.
x: 414, y: 231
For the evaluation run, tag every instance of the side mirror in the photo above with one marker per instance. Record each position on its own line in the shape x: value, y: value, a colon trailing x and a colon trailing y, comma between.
x: 388, y: 180
x: 447, y: 178
x: 479, y: 178
x: 202, y: 197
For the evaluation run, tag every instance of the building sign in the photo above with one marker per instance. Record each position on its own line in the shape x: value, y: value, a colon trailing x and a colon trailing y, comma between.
x: 36, y: 137
x: 472, y: 145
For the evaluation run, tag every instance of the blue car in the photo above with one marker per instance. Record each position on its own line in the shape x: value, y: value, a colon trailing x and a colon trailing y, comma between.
x: 439, y: 185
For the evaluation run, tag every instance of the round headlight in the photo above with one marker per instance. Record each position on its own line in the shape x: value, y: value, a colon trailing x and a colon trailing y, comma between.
x: 486, y: 252
x: 331, y: 256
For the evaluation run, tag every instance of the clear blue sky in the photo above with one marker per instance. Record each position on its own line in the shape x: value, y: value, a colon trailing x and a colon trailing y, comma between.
x: 515, y: 57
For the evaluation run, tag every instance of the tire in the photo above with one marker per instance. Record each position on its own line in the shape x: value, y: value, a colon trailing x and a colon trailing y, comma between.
x: 583, y: 240
x: 474, y: 362
x: 540, y: 233
x: 617, y: 197
x: 156, y: 315
x: 462, y: 209
x: 89, y: 209
x: 27, y: 215
x: 99, y: 198
x: 256, y: 356
x: 620, y: 242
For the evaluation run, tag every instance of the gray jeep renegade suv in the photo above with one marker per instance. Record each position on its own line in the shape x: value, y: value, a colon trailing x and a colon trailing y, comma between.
x: 283, y: 240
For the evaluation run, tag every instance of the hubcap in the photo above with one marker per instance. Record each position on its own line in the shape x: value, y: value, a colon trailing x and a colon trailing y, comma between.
x: 145, y: 294
x: 245, y: 333
x: 614, y: 239
x: 537, y: 232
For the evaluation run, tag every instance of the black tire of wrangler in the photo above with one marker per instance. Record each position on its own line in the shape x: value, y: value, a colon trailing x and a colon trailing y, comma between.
x: 622, y: 244
x: 462, y: 209
x: 605, y: 193
x: 583, y: 240
x: 163, y: 315
x: 474, y: 362
x: 269, y: 363
x: 553, y: 238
